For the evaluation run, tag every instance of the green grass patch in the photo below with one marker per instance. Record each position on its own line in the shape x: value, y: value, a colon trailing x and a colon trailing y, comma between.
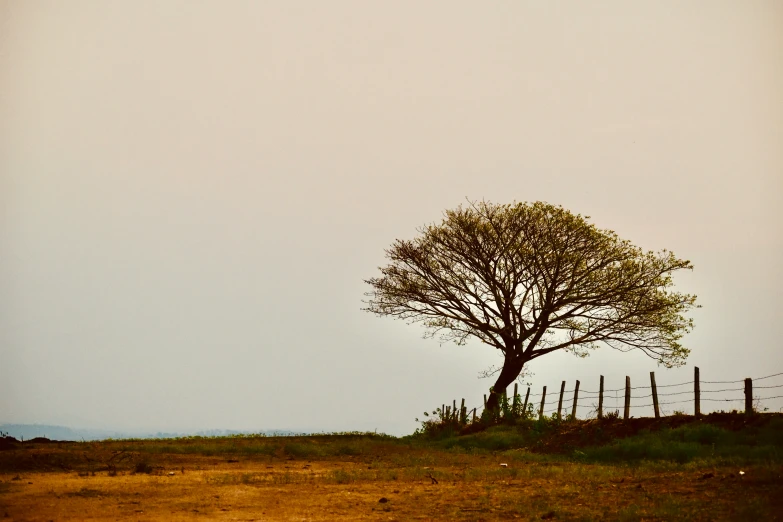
x: 690, y: 442
x: 525, y: 434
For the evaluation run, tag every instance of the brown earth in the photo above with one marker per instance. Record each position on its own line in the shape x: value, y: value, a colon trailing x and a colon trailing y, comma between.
x: 384, y: 480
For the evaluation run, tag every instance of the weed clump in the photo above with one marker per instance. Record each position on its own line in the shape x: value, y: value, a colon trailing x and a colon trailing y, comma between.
x: 142, y: 467
x: 445, y: 423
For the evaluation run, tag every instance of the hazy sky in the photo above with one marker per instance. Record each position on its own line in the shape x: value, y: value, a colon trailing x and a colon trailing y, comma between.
x: 192, y: 193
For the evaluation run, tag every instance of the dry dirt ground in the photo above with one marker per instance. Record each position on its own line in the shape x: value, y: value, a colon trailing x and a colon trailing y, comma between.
x: 383, y: 481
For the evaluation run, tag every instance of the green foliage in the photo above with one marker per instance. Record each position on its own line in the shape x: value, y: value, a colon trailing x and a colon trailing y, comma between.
x: 506, y: 428
x: 694, y: 442
x: 439, y: 424
x: 498, y: 438
x: 532, y: 278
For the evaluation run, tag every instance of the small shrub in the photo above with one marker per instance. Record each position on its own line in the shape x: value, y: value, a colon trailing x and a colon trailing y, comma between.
x: 341, y: 476
x: 143, y: 467
x: 438, y: 426
x: 758, y: 407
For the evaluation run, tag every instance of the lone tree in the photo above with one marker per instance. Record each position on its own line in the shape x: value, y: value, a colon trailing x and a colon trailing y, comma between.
x: 530, y: 279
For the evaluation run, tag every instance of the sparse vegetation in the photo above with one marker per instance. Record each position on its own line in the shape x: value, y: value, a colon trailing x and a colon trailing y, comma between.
x: 142, y: 467
x: 642, y: 469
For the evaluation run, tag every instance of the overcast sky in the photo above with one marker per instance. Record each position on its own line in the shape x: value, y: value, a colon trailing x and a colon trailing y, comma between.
x: 192, y: 193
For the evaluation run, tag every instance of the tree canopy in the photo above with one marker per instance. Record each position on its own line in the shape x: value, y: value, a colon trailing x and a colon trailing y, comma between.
x: 532, y: 278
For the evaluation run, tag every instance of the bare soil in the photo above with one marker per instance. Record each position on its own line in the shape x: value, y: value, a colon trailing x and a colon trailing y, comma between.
x: 386, y: 481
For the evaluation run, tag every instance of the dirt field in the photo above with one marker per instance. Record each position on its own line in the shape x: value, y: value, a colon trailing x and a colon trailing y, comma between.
x: 256, y: 479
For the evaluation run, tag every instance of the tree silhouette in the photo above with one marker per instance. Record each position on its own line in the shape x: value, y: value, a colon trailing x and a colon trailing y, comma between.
x: 532, y: 278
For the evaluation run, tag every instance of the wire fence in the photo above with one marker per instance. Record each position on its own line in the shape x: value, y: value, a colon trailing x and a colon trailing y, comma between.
x: 587, y: 403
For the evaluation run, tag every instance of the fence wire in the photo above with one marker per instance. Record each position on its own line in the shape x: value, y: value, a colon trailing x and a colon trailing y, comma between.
x: 768, y: 376
x: 614, y: 399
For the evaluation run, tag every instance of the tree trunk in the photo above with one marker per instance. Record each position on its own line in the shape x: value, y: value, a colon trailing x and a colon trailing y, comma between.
x: 511, y: 370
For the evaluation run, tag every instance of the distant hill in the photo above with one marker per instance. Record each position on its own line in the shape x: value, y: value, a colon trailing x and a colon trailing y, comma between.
x: 30, y: 431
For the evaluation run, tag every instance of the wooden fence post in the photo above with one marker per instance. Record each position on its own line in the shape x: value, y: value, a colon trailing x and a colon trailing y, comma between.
x: 627, y: 398
x: 560, y: 402
x: 576, y: 397
x: 541, y: 410
x: 515, y: 406
x: 654, y: 395
x: 696, y: 392
x: 463, y: 413
x: 485, y: 401
x: 527, y: 395
x: 474, y: 414
x: 448, y: 413
x: 454, y: 409
x: 601, y: 399
x: 443, y: 412
x: 748, y: 396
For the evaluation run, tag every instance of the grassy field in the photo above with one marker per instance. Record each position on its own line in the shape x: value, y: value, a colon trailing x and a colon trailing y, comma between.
x: 722, y: 467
